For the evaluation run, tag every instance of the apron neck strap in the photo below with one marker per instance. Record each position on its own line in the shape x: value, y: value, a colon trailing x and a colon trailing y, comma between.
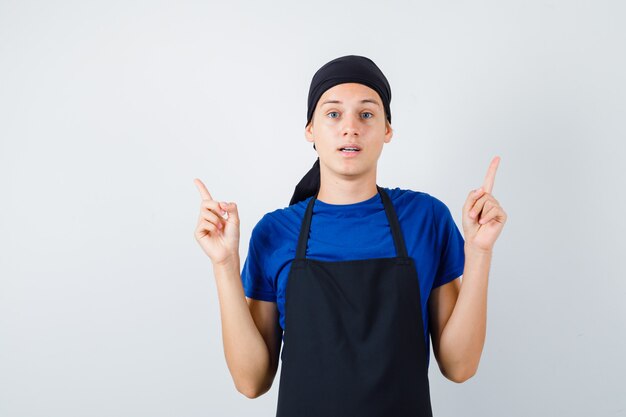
x: 392, y: 218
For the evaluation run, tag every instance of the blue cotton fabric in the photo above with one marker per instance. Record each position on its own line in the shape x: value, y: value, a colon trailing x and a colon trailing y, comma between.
x: 355, y: 231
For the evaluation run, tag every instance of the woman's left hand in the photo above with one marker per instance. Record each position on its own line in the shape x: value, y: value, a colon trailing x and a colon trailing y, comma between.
x: 483, y: 218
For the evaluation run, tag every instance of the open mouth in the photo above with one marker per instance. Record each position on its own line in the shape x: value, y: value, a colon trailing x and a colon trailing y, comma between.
x: 350, y: 149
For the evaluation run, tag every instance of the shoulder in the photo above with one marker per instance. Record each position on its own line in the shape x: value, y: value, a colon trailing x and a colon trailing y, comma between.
x: 281, y: 222
x: 440, y: 209
x: 403, y: 197
x: 418, y: 202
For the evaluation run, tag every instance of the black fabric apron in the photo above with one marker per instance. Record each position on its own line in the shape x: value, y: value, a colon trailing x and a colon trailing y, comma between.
x: 354, y: 337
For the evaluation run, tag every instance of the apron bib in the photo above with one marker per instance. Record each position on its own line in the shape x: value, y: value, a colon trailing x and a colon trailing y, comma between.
x: 354, y: 336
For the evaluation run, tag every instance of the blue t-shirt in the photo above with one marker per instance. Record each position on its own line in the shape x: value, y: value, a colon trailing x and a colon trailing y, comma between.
x: 355, y: 231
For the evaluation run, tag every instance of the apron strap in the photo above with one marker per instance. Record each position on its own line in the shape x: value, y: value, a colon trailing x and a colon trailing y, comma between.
x: 392, y: 218
x: 398, y: 240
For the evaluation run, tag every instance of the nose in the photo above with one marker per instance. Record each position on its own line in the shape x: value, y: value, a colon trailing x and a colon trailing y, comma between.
x: 350, y: 126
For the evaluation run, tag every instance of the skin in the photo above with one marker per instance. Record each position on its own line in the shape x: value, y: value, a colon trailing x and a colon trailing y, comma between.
x: 348, y: 180
x: 250, y: 330
x: 458, y: 309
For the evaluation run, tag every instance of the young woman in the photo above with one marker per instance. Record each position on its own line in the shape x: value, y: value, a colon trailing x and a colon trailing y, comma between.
x: 352, y: 278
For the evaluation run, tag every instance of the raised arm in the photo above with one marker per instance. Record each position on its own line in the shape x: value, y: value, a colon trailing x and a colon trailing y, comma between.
x: 458, y: 310
x: 250, y: 333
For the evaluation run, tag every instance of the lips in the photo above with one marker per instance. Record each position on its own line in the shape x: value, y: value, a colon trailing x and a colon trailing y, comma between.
x: 350, y: 147
x: 349, y: 150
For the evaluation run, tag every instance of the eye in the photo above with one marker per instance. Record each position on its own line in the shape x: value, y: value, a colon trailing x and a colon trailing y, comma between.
x: 333, y: 112
x: 371, y: 115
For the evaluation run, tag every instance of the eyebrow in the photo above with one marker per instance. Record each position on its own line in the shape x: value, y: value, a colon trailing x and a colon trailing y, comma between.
x: 367, y: 100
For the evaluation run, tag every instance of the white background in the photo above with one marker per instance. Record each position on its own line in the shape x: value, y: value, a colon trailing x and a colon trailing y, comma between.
x: 109, y: 109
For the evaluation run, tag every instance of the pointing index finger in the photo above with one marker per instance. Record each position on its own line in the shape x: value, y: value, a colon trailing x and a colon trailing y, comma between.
x: 491, y: 174
x: 203, y: 191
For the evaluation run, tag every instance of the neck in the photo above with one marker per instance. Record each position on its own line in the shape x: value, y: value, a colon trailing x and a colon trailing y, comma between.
x: 346, y: 190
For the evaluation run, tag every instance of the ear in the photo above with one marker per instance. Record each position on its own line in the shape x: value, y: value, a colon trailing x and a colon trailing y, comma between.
x: 388, y: 131
x: 308, y: 132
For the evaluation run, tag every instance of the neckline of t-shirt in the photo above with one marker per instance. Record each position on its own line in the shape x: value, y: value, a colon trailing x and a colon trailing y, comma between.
x: 320, y: 203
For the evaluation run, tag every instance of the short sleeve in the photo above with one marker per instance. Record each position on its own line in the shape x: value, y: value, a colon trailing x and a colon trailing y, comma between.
x: 450, y: 244
x: 254, y: 275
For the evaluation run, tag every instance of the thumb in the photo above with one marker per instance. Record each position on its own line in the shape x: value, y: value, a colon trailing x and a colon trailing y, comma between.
x: 230, y: 209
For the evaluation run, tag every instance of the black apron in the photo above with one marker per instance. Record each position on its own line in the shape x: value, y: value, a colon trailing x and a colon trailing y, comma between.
x: 354, y: 337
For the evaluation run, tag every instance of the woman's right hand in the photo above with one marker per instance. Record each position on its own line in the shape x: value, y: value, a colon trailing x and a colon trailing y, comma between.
x: 217, y: 231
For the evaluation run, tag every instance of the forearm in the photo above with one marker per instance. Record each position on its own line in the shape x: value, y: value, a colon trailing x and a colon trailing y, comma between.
x: 247, y: 355
x: 463, y: 336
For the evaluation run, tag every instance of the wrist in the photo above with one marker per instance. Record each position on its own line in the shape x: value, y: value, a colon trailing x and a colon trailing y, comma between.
x: 473, y: 250
x: 229, y: 262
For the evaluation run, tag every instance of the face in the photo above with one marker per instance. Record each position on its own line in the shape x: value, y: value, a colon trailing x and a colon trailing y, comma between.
x: 349, y: 114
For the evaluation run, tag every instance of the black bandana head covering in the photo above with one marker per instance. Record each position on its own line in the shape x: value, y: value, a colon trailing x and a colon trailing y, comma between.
x: 348, y: 69
x: 345, y: 69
